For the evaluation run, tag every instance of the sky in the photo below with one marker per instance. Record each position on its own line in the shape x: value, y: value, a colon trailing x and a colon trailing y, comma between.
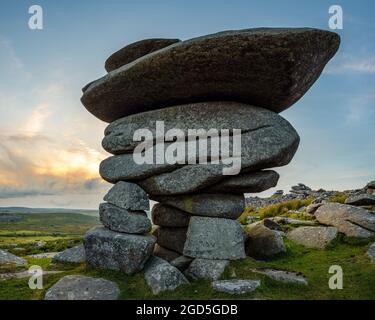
x: 50, y: 146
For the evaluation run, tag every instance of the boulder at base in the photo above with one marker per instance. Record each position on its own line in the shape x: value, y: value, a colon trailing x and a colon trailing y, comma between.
x: 235, y: 286
x: 214, y: 238
x: 107, y: 249
x: 162, y: 276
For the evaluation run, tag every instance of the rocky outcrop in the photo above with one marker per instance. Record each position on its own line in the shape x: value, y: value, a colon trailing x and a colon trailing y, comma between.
x: 364, y: 199
x: 83, y: 288
x: 350, y: 220
x: 168, y: 137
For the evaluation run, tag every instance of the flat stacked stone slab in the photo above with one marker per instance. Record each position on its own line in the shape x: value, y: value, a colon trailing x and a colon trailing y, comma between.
x: 266, y: 67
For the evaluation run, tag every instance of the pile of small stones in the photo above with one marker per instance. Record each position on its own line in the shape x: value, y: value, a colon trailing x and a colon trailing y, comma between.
x: 225, y: 81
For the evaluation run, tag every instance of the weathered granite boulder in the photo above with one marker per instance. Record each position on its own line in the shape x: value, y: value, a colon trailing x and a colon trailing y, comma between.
x: 165, y: 254
x: 228, y: 206
x: 136, y: 50
x: 364, y: 199
x: 167, y: 216
x: 9, y: 258
x: 214, y: 238
x: 171, y: 238
x: 161, y: 276
x: 123, y: 220
x: 313, y: 237
x: 107, y: 249
x: 350, y: 220
x: 282, y: 276
x: 206, y: 269
x: 236, y: 286
x: 72, y: 255
x: 263, y: 242
x: 128, y: 196
x: 83, y: 288
x: 371, y: 252
x: 267, y: 67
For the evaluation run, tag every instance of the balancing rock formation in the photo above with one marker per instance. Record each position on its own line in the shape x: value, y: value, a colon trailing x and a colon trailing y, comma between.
x: 229, y: 81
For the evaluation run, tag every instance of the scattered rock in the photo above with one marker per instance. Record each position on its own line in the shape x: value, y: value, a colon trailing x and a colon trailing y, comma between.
x: 282, y: 276
x: 214, y: 238
x: 371, y: 252
x: 271, y: 73
x: 181, y: 263
x: 350, y: 220
x: 263, y: 242
x: 167, y: 216
x: 8, y: 258
x: 364, y: 199
x: 171, y: 238
x: 165, y: 254
x: 128, y: 196
x: 235, y: 286
x: 83, y: 288
x: 206, y: 269
x: 123, y: 220
x: 73, y: 255
x: 161, y: 276
x: 117, y: 251
x: 313, y: 237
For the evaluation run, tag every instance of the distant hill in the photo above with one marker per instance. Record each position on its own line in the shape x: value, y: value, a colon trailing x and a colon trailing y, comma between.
x: 47, y: 210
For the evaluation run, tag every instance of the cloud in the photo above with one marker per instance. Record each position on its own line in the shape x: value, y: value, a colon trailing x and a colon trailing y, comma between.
x: 33, y: 165
x: 350, y: 64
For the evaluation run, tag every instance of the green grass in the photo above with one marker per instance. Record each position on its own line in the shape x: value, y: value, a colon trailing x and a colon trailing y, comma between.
x: 278, y: 209
x: 350, y: 254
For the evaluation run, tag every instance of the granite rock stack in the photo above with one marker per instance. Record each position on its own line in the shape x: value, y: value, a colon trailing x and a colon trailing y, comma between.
x: 166, y: 100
